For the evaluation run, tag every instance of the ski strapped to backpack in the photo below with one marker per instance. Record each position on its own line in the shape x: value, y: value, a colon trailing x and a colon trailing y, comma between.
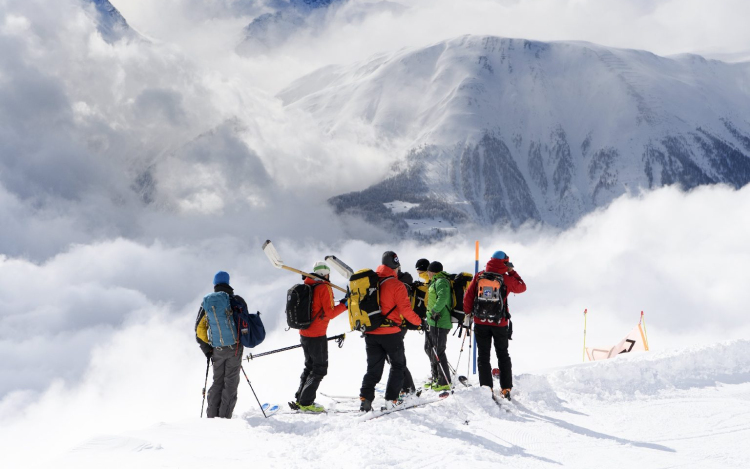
x: 222, y: 329
x: 489, y: 304
x: 365, y: 314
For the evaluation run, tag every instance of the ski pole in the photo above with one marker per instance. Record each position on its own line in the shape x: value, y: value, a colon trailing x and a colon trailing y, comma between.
x: 208, y: 365
x: 338, y: 338
x: 437, y: 358
x: 253, y: 390
x: 584, y: 334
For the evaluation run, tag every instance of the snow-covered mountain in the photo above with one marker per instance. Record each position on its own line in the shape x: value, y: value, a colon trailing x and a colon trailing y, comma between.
x: 285, y: 20
x: 510, y: 131
x: 110, y: 23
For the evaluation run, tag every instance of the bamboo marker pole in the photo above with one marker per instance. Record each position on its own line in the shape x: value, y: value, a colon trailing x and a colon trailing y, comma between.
x: 584, y: 334
x: 645, y: 332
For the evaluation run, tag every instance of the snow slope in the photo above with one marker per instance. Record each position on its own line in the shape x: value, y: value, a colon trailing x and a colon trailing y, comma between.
x: 498, y: 130
x: 667, y: 409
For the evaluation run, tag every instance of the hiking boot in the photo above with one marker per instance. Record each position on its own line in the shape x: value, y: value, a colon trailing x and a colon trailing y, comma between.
x: 429, y: 384
x: 365, y: 405
x: 505, y: 393
x: 440, y: 387
x: 315, y: 408
x: 390, y: 405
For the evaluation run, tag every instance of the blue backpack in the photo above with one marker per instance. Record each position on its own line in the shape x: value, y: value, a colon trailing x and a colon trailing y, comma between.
x: 222, y: 328
x: 249, y: 326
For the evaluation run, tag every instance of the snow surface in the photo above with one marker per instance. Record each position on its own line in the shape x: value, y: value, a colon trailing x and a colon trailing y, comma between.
x: 676, y: 408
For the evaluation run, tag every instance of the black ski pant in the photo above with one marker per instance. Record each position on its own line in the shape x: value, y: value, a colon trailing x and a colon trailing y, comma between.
x: 437, y: 338
x: 408, y: 386
x: 316, y: 367
x: 378, y: 348
x: 222, y: 396
x: 485, y: 335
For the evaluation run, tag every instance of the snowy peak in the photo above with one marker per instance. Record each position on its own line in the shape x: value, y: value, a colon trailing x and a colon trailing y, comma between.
x: 110, y: 23
x: 510, y: 130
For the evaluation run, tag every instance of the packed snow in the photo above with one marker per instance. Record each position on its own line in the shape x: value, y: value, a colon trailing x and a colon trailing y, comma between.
x: 663, y: 409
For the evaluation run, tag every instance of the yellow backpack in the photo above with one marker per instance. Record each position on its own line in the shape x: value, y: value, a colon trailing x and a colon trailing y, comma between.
x: 364, y: 301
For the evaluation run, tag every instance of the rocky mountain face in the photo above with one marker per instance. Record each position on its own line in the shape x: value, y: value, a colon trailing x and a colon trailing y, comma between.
x: 110, y: 23
x: 509, y: 131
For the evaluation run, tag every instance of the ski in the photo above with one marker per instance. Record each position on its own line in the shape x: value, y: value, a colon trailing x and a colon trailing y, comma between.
x: 464, y: 380
x: 275, y: 259
x: 406, y: 405
x: 270, y: 409
x: 340, y: 266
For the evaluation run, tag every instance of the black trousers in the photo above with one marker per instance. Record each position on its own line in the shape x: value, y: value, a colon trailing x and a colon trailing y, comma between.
x: 485, y: 335
x: 437, y: 338
x: 378, y: 348
x: 408, y: 385
x: 222, y: 396
x: 316, y: 367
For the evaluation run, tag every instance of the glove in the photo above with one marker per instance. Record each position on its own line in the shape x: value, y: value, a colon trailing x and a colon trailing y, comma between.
x: 344, y: 301
x: 207, y: 350
x: 436, y: 317
x: 467, y: 321
x: 509, y: 265
x: 424, y: 326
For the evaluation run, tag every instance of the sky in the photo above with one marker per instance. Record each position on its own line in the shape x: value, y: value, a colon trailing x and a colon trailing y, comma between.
x: 131, y: 172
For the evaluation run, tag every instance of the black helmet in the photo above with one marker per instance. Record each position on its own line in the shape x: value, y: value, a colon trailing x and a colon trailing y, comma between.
x: 390, y: 259
x: 422, y: 264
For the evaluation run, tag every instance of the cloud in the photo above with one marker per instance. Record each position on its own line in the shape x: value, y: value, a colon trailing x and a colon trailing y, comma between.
x: 98, y: 329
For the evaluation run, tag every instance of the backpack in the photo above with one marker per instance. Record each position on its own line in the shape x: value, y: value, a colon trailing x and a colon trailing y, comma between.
x: 489, y: 304
x: 250, y: 328
x: 418, y: 296
x: 222, y: 330
x: 459, y: 284
x: 299, y: 300
x: 364, y: 301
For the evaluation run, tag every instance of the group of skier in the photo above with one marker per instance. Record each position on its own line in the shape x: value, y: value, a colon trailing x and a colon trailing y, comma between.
x: 484, y: 304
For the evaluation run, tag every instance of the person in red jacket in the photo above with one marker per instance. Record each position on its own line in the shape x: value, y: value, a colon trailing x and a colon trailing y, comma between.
x: 387, y: 340
x: 314, y: 340
x: 499, y: 330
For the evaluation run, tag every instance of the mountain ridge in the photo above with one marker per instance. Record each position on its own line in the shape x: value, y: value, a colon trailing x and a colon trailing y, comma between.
x: 574, y: 125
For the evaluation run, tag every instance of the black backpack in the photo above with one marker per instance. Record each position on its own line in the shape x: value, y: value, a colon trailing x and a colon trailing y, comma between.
x: 299, y: 300
x: 489, y: 304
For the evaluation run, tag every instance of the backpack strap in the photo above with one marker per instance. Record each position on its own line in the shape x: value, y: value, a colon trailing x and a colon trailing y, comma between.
x: 392, y: 322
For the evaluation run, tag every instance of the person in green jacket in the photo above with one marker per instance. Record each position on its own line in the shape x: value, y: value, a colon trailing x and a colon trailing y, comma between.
x: 439, y: 306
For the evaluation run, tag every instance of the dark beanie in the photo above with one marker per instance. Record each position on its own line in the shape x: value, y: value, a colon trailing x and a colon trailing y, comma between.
x: 390, y: 259
x: 435, y: 267
x: 422, y: 264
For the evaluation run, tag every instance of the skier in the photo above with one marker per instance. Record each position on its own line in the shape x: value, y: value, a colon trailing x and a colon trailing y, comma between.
x: 225, y: 353
x: 498, y: 330
x: 439, y: 324
x: 314, y: 340
x: 387, y: 340
x: 422, y: 266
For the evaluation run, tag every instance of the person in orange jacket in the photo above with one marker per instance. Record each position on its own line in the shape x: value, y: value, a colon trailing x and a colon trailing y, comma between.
x: 314, y: 340
x: 387, y: 340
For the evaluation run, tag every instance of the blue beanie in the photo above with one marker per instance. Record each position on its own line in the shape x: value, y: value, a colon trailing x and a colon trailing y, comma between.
x: 221, y: 277
x: 499, y: 255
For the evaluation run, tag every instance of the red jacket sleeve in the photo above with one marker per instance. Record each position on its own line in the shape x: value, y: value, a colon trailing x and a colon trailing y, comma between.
x: 470, y: 294
x: 324, y: 299
x: 514, y: 282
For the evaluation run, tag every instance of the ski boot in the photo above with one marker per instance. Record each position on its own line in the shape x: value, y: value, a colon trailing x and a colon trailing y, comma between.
x: 505, y: 393
x: 312, y: 408
x: 365, y: 405
x: 440, y: 387
x: 390, y: 405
